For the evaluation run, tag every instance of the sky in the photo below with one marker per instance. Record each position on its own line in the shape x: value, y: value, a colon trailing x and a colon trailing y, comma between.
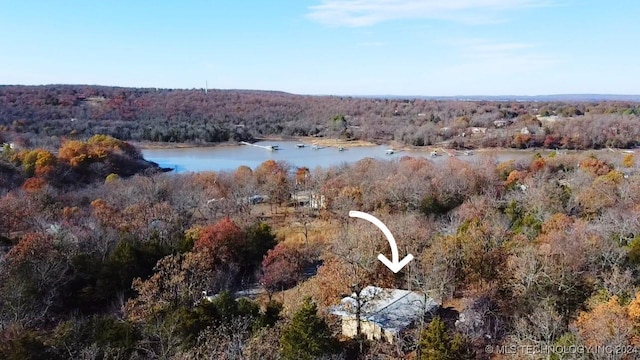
x: 327, y: 47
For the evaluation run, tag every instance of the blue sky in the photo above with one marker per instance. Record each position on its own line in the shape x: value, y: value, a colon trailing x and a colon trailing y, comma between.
x: 339, y: 47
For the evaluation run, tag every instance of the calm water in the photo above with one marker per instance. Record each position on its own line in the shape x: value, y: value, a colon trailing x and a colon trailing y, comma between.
x: 231, y: 157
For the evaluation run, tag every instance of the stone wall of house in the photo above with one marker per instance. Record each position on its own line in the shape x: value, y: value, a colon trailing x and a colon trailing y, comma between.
x: 371, y: 330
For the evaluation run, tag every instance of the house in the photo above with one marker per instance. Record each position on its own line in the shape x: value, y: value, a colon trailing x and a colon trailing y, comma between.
x: 249, y: 200
x: 384, y: 313
x: 525, y: 131
x: 7, y: 145
x: 478, y: 130
x: 314, y: 201
x: 500, y: 123
x: 318, y: 201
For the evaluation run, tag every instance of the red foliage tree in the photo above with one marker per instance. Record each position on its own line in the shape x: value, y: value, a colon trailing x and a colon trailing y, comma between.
x: 224, y: 241
x: 282, y: 267
x: 33, y: 184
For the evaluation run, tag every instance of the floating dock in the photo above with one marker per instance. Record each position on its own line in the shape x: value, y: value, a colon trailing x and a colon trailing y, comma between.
x: 268, y: 147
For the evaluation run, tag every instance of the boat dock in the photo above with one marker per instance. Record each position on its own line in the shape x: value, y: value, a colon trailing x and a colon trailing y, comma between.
x: 268, y: 147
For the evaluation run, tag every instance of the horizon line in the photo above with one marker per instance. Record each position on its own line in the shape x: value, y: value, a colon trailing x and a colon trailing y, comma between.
x: 477, y: 96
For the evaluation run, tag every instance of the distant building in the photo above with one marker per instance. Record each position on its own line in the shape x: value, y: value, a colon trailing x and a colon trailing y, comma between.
x: 384, y: 313
x: 550, y: 118
x: 500, y: 123
x: 318, y: 201
x: 10, y: 145
x: 249, y: 200
x: 315, y: 201
x: 478, y: 130
x: 525, y: 131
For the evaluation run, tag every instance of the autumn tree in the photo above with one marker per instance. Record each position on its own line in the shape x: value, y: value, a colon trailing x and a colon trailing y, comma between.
x: 608, y: 323
x: 35, y: 271
x: 227, y: 245
x: 36, y: 162
x: 178, y: 280
x: 282, y: 267
x: 100, y: 156
x: 222, y: 255
x: 628, y: 160
x: 273, y: 178
x: 541, y: 327
x: 603, y: 193
x: 245, y: 186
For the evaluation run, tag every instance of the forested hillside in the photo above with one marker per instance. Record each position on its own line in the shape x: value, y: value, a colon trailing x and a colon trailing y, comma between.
x: 539, y: 254
x: 103, y: 256
x: 44, y: 114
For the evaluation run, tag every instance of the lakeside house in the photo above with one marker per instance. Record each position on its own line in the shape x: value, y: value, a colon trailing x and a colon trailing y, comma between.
x: 384, y: 313
x: 314, y: 201
x: 10, y: 145
x: 500, y: 123
x: 478, y: 130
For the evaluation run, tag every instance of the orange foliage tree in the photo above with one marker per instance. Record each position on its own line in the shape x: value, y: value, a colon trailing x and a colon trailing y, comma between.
x: 97, y: 148
x: 603, y: 193
x: 32, y: 185
x: 75, y: 153
x: 607, y: 324
x: 37, y: 161
x: 272, y: 177
x: 595, y: 166
x: 628, y: 161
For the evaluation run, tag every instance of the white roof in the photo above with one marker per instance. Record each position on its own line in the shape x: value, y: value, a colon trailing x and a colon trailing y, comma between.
x: 392, y: 309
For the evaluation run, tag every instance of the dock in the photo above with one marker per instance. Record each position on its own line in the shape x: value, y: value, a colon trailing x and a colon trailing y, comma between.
x: 267, y: 147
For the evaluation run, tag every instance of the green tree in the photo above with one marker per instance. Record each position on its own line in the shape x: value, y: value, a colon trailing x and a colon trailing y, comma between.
x: 339, y: 123
x: 307, y: 335
x: 25, y: 344
x: 260, y: 239
x: 437, y: 344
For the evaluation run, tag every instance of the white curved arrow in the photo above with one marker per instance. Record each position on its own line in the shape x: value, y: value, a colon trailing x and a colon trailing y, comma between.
x: 395, y: 264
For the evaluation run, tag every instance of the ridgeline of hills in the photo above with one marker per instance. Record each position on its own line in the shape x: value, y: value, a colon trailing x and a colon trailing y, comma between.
x: 538, y: 98
x: 44, y: 115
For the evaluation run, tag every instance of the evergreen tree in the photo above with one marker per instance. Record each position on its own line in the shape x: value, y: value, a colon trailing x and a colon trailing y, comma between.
x: 307, y: 335
x: 437, y: 344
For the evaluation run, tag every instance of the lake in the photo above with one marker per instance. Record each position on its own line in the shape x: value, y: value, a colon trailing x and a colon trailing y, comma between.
x: 219, y: 158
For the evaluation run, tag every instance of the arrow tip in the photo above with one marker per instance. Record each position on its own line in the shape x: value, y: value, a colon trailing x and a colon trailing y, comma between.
x: 395, y: 266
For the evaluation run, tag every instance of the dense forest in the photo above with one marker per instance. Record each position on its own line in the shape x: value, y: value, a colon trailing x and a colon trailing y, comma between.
x: 103, y: 258
x: 46, y: 115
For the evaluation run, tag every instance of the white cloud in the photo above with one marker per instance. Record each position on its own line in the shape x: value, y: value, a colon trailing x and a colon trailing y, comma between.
x: 358, y: 13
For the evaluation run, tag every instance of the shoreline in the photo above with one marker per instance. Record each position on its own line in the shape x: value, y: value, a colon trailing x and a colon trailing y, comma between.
x: 392, y: 145
x: 321, y: 141
x: 307, y: 140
